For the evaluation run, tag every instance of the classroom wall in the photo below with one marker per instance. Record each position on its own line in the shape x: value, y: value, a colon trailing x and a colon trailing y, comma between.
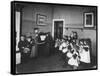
x: 73, y: 17
x: 29, y: 18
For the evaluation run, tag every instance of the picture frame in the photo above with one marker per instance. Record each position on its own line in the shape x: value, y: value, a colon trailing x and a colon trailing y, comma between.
x: 41, y: 19
x: 51, y: 59
x: 89, y: 20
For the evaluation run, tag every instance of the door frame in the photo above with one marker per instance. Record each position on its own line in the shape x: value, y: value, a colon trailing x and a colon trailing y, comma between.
x: 18, y: 27
x: 53, y: 26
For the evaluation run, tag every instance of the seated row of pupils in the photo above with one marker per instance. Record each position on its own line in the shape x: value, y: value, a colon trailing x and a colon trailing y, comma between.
x: 73, y: 51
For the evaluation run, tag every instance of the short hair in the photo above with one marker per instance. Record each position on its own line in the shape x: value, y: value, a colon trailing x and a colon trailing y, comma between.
x: 29, y: 37
x: 36, y: 28
x: 22, y: 36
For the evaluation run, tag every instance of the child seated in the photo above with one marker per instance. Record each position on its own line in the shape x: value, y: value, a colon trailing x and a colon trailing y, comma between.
x: 28, y: 45
x: 27, y: 49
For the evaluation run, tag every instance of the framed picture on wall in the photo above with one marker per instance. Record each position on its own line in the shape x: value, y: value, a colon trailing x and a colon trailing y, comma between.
x: 41, y: 19
x: 89, y: 20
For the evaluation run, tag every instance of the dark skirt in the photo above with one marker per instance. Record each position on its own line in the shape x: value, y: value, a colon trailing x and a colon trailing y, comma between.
x: 43, y: 49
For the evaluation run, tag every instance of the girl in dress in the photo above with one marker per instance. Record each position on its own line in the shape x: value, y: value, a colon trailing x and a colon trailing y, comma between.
x: 33, y: 51
x: 84, y: 52
x: 74, y: 57
x: 57, y: 43
x: 64, y: 49
x: 27, y: 49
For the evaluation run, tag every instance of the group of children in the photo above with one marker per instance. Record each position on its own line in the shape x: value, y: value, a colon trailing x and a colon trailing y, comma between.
x: 32, y: 47
x: 73, y: 51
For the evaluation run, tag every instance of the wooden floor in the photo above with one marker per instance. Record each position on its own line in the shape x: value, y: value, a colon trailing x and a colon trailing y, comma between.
x: 45, y: 64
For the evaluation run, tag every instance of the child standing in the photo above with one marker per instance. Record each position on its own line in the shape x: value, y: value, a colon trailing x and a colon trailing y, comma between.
x: 73, y: 57
x: 21, y: 46
x: 84, y: 52
x: 28, y: 48
x: 64, y: 49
